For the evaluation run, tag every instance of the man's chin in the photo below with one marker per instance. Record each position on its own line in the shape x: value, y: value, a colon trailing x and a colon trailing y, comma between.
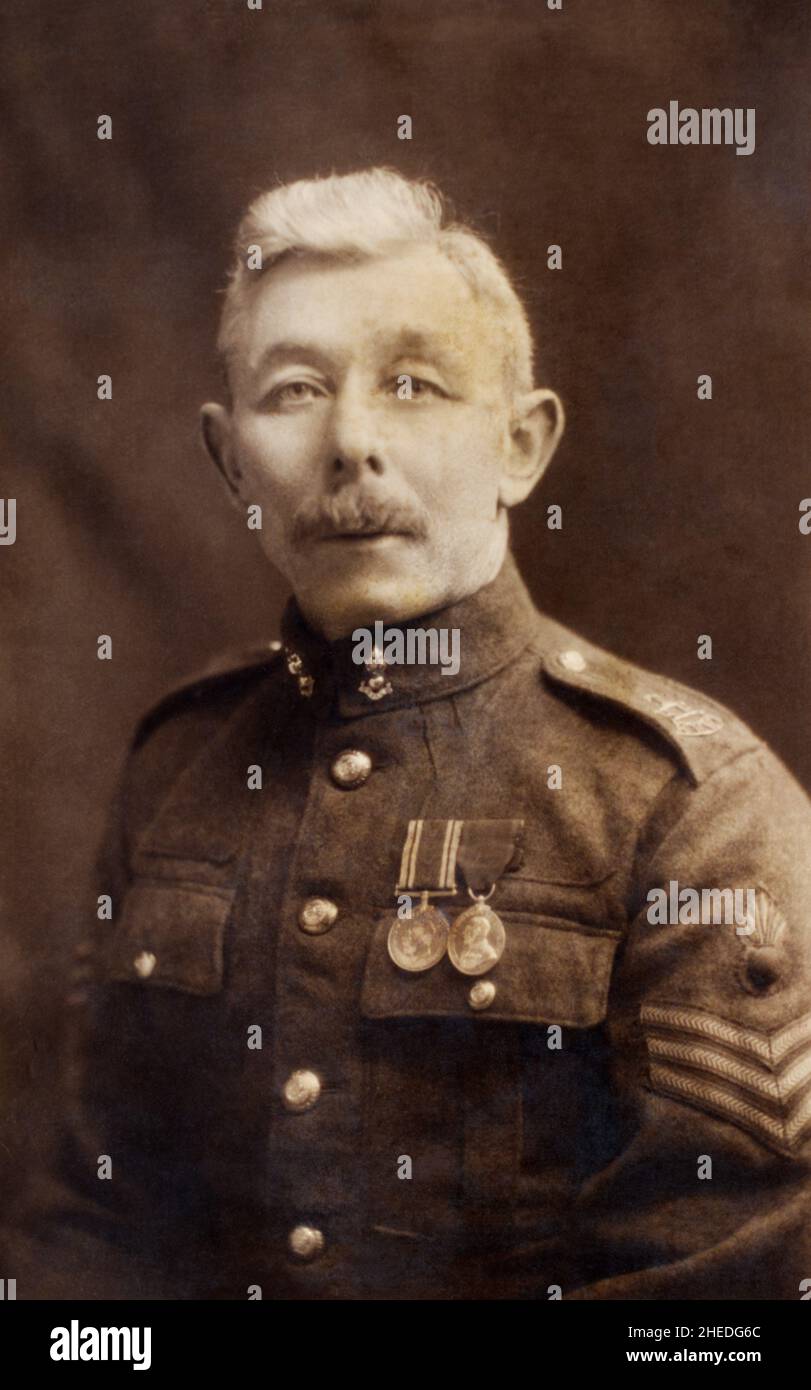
x: 374, y: 580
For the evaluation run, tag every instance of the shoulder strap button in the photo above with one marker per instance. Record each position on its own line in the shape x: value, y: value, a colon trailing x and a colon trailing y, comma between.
x: 572, y: 660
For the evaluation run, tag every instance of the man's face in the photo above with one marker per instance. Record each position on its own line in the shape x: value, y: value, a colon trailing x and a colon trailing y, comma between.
x: 374, y: 504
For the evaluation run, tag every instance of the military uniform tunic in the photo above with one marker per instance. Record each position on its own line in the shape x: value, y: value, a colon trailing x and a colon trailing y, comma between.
x: 289, y: 1114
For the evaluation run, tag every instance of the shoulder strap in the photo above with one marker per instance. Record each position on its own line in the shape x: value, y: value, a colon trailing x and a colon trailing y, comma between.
x: 704, y: 733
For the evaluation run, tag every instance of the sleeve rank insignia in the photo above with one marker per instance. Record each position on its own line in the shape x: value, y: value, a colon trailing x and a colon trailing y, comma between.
x: 758, y: 1081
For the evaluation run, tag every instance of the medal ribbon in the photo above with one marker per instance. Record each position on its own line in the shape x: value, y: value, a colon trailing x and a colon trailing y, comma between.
x: 480, y: 850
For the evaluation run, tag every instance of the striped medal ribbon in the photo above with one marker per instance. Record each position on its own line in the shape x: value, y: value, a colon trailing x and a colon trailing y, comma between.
x: 435, y: 855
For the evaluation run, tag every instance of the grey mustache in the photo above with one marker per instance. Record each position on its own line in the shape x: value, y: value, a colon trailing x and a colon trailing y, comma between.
x: 359, y: 515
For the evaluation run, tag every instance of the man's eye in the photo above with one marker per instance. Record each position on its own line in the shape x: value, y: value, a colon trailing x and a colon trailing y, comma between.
x: 295, y: 393
x: 408, y: 388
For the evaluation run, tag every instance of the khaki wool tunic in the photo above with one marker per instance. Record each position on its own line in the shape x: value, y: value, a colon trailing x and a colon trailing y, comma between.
x: 623, y: 1112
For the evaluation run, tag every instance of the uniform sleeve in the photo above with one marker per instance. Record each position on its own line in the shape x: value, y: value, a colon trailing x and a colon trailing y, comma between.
x: 132, y: 1235
x: 709, y: 1195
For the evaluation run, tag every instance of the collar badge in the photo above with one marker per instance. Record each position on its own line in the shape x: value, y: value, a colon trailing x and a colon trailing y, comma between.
x: 295, y: 666
x: 375, y: 686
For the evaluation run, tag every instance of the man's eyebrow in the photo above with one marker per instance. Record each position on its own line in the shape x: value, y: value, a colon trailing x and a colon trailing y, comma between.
x: 280, y: 353
x: 409, y: 343
x: 416, y: 344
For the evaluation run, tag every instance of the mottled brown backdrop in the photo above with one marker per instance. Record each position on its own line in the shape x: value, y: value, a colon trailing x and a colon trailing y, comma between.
x: 680, y: 516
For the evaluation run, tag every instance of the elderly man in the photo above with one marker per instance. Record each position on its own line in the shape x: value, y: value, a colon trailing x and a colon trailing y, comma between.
x: 382, y: 1009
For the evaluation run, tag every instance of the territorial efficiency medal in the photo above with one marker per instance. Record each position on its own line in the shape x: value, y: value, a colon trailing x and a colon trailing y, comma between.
x: 418, y: 941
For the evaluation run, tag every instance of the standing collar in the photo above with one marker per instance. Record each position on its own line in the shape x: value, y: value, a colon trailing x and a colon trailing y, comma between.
x: 494, y: 625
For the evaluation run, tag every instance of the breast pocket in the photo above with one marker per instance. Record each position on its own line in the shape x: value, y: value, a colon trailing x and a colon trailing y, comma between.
x: 551, y: 971
x: 461, y: 1077
x: 169, y: 937
x: 149, y: 1043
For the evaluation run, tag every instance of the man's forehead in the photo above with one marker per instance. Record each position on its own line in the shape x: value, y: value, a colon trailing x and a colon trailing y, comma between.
x: 440, y: 344
x: 420, y: 305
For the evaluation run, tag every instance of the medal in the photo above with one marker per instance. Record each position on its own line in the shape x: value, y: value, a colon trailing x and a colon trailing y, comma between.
x: 477, y: 938
x: 417, y: 942
x: 434, y: 853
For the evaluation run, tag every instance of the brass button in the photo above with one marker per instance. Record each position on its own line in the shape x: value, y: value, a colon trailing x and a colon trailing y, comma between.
x: 144, y: 964
x: 317, y: 915
x: 573, y: 661
x: 482, y: 994
x: 305, y: 1242
x: 301, y: 1090
x: 351, y: 768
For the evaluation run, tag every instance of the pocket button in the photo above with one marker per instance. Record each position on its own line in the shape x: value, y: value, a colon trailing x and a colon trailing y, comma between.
x: 482, y: 995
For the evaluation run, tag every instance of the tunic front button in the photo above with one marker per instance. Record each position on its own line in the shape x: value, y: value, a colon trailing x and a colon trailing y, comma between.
x: 317, y: 915
x: 305, y: 1242
x: 301, y: 1090
x: 351, y: 768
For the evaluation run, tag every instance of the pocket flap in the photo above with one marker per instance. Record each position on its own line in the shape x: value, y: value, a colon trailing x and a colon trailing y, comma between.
x: 170, y: 935
x: 547, y: 974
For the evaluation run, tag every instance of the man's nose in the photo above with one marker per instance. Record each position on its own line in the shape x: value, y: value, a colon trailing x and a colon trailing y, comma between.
x: 356, y: 443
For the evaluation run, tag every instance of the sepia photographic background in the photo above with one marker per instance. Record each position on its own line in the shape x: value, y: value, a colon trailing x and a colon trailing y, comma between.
x: 680, y: 515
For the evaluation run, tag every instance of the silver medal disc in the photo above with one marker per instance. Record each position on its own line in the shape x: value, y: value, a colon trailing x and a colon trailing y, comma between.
x: 419, y: 941
x: 476, y: 940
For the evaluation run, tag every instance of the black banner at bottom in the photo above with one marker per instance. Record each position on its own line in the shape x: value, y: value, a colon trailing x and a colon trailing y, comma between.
x: 375, y: 1341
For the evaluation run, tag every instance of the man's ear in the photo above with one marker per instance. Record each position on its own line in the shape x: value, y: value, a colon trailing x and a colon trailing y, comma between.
x: 215, y: 427
x: 535, y: 429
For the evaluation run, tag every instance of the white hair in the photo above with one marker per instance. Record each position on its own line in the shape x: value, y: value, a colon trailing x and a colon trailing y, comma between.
x: 367, y: 214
